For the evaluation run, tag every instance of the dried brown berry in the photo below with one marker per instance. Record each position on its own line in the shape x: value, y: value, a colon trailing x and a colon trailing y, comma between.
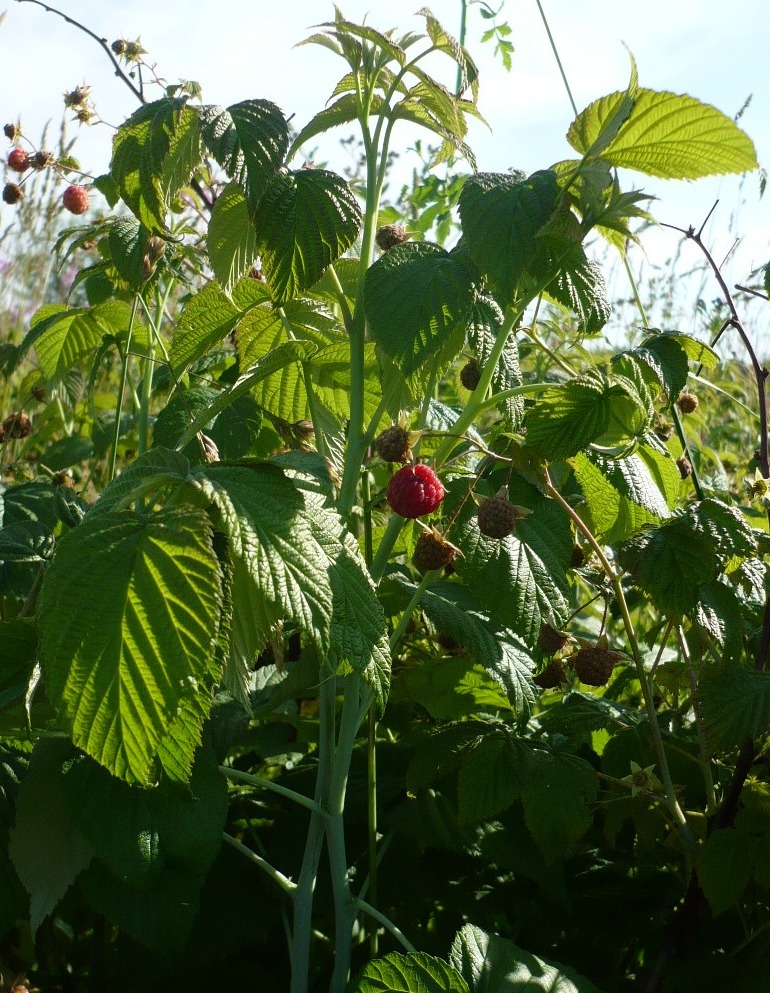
x: 393, y: 445
x: 497, y: 516
x: 664, y: 429
x: 12, y: 132
x: 684, y: 465
x: 593, y: 665
x: 552, y: 676
x: 390, y: 235
x: 119, y: 46
x: 41, y: 160
x: 577, y: 557
x: 12, y: 193
x: 76, y: 97
x: 470, y: 375
x: 17, y: 425
x: 550, y: 640
x: 433, y: 551
x: 687, y: 402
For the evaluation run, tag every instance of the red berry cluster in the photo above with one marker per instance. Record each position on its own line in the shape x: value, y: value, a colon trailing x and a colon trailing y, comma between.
x: 75, y: 198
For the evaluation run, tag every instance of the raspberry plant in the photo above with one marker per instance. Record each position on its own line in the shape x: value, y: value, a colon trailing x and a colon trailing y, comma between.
x: 240, y: 709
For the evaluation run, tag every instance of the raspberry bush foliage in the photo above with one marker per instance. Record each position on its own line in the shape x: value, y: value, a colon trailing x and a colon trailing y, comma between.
x: 274, y: 710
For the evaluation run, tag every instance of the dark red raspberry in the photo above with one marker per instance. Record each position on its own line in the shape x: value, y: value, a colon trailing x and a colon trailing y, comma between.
x: 41, y: 160
x: 18, y: 160
x: 552, y: 676
x: 550, y: 640
x: 415, y: 491
x: 687, y: 402
x: 433, y: 551
x: 75, y: 199
x: 393, y: 445
x: 470, y: 374
x: 12, y: 193
x: 593, y: 665
x: 390, y: 235
x: 497, y: 516
x: 17, y: 425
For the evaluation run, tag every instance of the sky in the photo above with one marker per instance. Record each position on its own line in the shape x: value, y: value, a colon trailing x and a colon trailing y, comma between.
x: 238, y: 49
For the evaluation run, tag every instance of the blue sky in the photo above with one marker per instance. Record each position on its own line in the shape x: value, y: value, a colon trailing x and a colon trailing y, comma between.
x: 239, y: 49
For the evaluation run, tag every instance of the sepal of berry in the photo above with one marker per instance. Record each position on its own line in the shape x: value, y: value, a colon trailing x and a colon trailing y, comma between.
x: 470, y: 375
x: 18, y: 160
x: 687, y: 402
x: 390, y: 235
x: 75, y: 199
x: 12, y: 193
x: 433, y: 551
x: 414, y: 491
x: 497, y: 516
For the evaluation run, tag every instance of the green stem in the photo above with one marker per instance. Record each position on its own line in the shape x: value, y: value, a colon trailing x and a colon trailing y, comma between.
x: 410, y: 609
x: 303, y: 895
x: 555, y: 51
x: 388, y: 924
x: 389, y: 539
x: 371, y: 797
x: 708, y: 778
x: 123, y: 384
x: 476, y: 399
x: 268, y: 784
x: 344, y: 904
x: 283, y: 881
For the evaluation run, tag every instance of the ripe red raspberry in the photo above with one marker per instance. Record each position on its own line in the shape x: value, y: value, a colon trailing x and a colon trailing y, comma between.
x: 75, y: 199
x: 433, y: 551
x: 497, y: 516
x: 12, y: 193
x: 18, y: 160
x: 687, y: 402
x: 415, y: 490
x: 470, y: 374
x: 593, y: 665
x: 393, y: 445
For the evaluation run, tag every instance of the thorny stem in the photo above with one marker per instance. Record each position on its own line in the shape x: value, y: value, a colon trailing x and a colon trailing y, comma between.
x: 652, y: 717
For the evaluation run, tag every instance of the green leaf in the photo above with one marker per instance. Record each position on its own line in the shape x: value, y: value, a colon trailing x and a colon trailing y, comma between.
x: 148, y: 473
x: 673, y: 136
x: 522, y: 579
x: 208, y: 317
x: 450, y: 688
x: 501, y: 216
x: 417, y: 299
x: 342, y: 111
x: 492, y: 774
x: 557, y: 796
x: 304, y: 222
x: 47, y: 847
x: 128, y: 242
x: 304, y: 566
x: 124, y: 642
x: 491, y: 964
x: 666, y: 357
x: 579, y: 287
x: 719, y: 614
x: 65, y: 339
x: 735, y: 706
x: 598, y: 125
x: 444, y: 42
x: 724, y: 868
x: 249, y: 140
x: 154, y: 153
x: 231, y: 240
x: 412, y: 973
x: 456, y: 612
x: 174, y: 419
